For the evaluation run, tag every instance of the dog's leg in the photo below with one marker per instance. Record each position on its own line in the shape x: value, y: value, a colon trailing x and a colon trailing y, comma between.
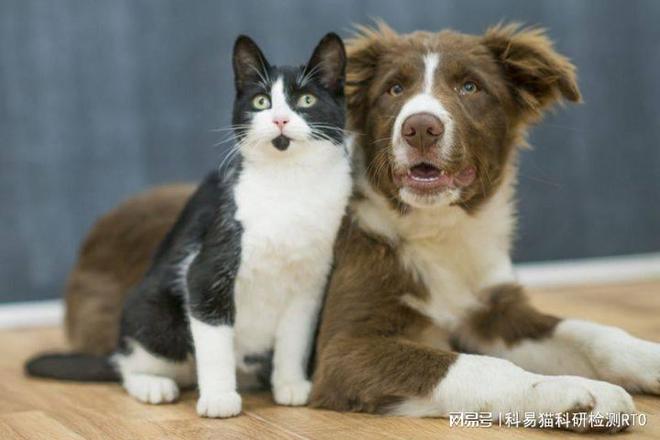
x: 508, y: 327
x: 398, y: 377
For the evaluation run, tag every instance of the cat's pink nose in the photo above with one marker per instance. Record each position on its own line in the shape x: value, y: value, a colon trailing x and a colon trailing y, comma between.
x: 280, y: 122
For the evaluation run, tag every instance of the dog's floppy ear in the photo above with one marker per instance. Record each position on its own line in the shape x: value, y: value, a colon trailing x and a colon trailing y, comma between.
x: 538, y: 75
x: 364, y: 51
x: 249, y: 62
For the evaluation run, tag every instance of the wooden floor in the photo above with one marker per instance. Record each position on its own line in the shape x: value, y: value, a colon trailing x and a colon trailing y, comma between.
x: 40, y: 409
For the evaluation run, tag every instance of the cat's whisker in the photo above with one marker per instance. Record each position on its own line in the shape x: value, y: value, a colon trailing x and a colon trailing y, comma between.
x: 343, y: 131
x: 226, y: 140
x: 230, y: 128
x: 328, y: 127
x: 229, y: 157
x: 323, y: 136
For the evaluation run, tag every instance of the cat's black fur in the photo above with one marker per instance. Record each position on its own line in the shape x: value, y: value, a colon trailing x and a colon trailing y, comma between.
x: 155, y: 312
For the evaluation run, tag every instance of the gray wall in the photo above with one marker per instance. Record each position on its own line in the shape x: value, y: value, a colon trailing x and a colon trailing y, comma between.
x: 99, y: 99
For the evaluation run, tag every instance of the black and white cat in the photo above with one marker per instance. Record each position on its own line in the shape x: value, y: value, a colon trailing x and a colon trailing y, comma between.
x: 243, y: 271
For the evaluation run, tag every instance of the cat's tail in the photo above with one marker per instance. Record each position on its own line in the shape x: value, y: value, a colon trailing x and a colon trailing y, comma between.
x: 73, y: 366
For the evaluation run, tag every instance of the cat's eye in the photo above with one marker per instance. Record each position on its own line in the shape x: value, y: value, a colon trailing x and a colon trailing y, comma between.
x: 468, y: 88
x: 306, y: 101
x: 261, y: 102
x: 396, y: 90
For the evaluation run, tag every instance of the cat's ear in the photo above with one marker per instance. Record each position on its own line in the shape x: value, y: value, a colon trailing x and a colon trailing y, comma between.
x: 328, y: 63
x: 249, y: 62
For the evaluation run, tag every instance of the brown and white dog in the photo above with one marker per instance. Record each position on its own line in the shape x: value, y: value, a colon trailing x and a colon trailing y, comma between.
x: 423, y: 274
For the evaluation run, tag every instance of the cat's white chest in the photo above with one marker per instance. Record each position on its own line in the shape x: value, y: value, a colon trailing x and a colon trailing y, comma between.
x: 290, y: 218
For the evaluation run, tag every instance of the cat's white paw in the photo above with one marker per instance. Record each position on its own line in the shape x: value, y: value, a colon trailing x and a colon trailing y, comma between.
x: 597, y: 400
x: 292, y: 393
x: 152, y: 389
x: 227, y: 404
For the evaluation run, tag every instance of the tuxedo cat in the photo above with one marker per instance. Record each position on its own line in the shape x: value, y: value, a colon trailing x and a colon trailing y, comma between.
x: 242, y: 273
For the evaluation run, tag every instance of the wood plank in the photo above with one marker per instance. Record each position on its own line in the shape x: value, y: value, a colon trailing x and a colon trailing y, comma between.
x: 44, y: 409
x: 35, y: 425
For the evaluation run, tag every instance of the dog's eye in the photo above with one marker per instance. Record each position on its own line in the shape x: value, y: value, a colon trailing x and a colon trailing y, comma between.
x: 468, y: 88
x: 306, y: 100
x: 396, y: 90
x: 261, y: 102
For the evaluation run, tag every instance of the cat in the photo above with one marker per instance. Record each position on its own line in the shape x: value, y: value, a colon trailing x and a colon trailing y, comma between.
x: 243, y: 271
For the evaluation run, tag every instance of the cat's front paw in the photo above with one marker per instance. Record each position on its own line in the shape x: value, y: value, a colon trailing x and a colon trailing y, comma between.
x: 292, y: 393
x: 227, y: 404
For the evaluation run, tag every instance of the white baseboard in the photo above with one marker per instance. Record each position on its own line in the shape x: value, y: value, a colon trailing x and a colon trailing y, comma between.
x: 31, y: 314
x: 551, y: 274
x: 604, y: 270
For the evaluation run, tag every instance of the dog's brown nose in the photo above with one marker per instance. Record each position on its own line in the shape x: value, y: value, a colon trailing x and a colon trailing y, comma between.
x: 422, y: 130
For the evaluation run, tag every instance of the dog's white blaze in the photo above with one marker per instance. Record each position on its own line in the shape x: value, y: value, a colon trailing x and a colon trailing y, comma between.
x: 431, y: 61
x: 424, y: 102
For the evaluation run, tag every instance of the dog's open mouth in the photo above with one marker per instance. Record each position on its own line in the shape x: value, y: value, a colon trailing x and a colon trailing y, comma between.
x: 425, y: 172
x: 426, y: 177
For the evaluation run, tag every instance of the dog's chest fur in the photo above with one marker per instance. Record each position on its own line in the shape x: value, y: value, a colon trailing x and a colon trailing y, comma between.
x: 290, y: 215
x: 452, y: 253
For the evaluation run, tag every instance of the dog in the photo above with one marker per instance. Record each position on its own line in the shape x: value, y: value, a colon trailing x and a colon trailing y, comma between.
x: 423, y: 314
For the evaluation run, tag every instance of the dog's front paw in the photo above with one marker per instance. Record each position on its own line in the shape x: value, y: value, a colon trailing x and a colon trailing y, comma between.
x: 601, y: 405
x: 635, y: 365
x: 227, y: 404
x: 628, y: 361
x: 292, y: 393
